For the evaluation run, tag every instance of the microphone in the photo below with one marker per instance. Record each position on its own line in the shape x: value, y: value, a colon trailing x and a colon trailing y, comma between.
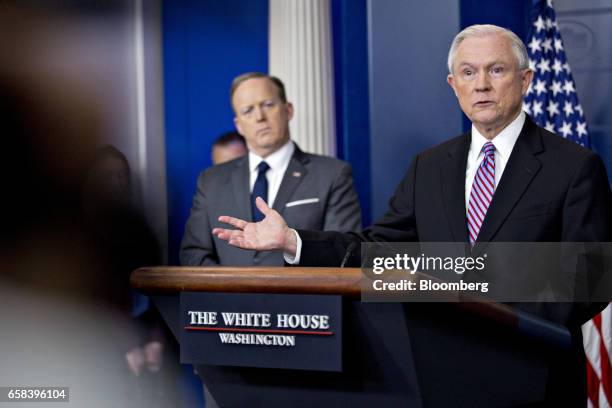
x: 348, y: 253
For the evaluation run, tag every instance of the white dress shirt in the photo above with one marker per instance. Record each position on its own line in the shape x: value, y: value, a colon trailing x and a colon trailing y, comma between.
x: 278, y: 162
x: 503, y: 142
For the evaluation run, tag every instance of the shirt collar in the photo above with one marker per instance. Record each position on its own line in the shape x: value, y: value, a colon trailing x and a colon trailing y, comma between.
x: 276, y: 160
x: 504, y: 141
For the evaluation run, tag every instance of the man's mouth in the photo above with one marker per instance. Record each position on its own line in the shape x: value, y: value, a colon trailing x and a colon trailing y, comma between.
x: 263, y: 131
x: 484, y: 104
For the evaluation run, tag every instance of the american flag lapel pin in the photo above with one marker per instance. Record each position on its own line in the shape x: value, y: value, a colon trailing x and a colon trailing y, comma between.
x: 297, y: 174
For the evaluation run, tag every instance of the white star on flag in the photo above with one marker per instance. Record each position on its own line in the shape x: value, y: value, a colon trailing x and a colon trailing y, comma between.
x: 557, y: 67
x: 540, y: 87
x: 537, y: 108
x: 534, y: 45
x: 566, y: 67
x: 552, y: 108
x: 548, y: 22
x: 544, y: 65
x: 526, y: 108
x: 532, y: 64
x: 566, y: 129
x: 578, y: 109
x: 581, y: 129
x: 539, y: 24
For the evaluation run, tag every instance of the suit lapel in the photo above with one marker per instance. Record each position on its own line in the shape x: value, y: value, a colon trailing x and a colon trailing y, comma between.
x: 295, y: 173
x: 453, y: 188
x: 240, y: 184
x: 518, y: 174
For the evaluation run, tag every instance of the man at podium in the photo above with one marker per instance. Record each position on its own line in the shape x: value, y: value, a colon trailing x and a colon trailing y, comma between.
x: 506, y: 180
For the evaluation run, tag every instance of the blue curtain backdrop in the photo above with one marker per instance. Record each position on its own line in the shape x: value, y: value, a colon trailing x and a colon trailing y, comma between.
x: 350, y: 44
x: 206, y: 43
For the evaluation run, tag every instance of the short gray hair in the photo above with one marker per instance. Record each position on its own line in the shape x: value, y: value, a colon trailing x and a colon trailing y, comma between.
x: 280, y: 87
x: 483, y: 30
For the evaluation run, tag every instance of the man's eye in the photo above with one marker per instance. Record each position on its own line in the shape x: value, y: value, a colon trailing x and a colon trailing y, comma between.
x: 468, y: 72
x: 247, y: 111
x: 497, y: 70
x: 269, y: 104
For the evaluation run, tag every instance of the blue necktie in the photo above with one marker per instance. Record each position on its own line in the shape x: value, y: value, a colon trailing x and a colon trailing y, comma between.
x: 260, y: 189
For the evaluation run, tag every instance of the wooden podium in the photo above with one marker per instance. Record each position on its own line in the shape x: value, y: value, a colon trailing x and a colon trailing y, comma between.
x: 477, y: 354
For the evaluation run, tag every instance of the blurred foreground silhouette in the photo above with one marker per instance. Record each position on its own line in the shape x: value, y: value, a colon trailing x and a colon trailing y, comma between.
x: 65, y: 251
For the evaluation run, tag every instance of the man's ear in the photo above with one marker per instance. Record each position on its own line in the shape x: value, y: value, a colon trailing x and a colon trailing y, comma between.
x: 526, y: 79
x: 451, y: 81
x: 237, y: 124
x: 289, y: 107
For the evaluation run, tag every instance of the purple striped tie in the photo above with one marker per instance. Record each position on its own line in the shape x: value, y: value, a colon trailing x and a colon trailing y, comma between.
x: 482, y: 192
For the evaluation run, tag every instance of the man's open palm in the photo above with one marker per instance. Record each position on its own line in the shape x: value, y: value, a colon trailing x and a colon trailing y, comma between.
x: 272, y: 233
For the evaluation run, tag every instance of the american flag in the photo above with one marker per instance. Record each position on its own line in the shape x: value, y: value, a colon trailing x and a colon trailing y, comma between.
x: 551, y: 99
x: 553, y: 104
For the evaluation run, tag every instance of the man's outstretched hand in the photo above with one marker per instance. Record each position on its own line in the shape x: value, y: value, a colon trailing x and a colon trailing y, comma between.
x: 272, y: 233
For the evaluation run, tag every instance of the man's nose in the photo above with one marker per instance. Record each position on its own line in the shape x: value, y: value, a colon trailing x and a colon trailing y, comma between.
x: 259, y: 114
x: 483, y: 83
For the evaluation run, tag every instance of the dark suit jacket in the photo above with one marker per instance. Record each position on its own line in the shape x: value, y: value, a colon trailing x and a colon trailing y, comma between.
x: 552, y: 190
x: 325, y: 184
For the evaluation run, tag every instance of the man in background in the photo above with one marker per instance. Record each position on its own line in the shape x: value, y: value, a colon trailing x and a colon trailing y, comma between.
x: 227, y: 147
x: 312, y: 191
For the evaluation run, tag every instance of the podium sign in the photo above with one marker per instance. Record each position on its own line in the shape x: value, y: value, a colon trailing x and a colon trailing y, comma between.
x: 262, y: 330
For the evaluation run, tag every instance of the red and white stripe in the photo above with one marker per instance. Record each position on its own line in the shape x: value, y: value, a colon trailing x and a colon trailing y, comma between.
x: 597, y: 334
